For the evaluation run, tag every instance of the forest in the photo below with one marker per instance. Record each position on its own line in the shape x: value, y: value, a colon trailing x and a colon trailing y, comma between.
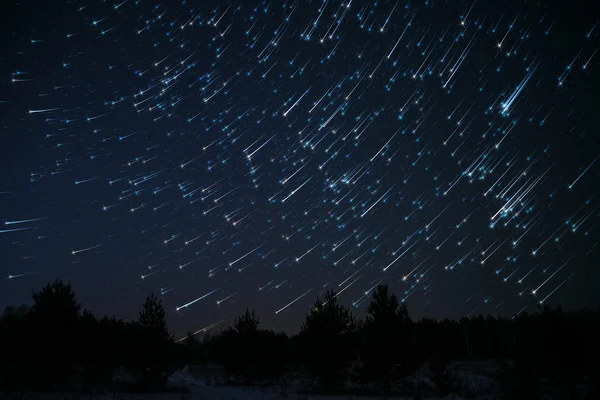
x: 56, y: 346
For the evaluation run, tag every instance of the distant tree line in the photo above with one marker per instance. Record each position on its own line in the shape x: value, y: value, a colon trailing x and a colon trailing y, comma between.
x: 53, y: 345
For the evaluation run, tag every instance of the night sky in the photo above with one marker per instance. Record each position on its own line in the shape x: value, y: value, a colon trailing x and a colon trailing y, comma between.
x: 225, y: 155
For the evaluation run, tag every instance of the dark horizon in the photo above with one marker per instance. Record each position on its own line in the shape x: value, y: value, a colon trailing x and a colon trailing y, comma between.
x: 186, y: 150
x: 546, y: 353
x: 266, y: 323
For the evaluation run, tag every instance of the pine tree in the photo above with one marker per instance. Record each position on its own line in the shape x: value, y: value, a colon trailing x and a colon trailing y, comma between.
x: 155, y: 351
x: 247, y: 323
x: 325, y: 335
x: 152, y: 317
x: 387, y: 336
x: 56, y: 313
x: 56, y: 302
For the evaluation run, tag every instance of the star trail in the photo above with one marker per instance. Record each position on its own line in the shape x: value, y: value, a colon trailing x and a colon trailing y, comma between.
x: 226, y: 155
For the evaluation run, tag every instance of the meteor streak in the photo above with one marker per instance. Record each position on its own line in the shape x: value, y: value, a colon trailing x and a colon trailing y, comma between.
x: 205, y: 329
x: 293, y: 301
x: 43, y: 111
x: 245, y: 255
x: 196, y: 300
x: 218, y: 302
x: 73, y: 252
x: 24, y: 221
x: 297, y: 101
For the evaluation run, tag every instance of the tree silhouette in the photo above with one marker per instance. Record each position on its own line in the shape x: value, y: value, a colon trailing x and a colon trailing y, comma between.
x: 325, y: 338
x: 56, y: 302
x: 55, y: 312
x: 152, y: 318
x: 193, y: 349
x: 97, y: 360
x: 273, y: 357
x: 12, y: 311
x: 387, y: 339
x: 251, y: 354
x: 17, y: 348
x: 247, y: 323
x: 237, y: 346
x: 55, y: 346
x: 156, y: 350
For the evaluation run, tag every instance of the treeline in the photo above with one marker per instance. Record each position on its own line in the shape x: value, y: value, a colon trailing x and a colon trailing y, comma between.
x: 53, y: 345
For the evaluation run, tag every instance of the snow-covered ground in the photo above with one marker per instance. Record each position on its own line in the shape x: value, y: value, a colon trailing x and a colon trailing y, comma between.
x: 199, y: 389
x: 207, y: 383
